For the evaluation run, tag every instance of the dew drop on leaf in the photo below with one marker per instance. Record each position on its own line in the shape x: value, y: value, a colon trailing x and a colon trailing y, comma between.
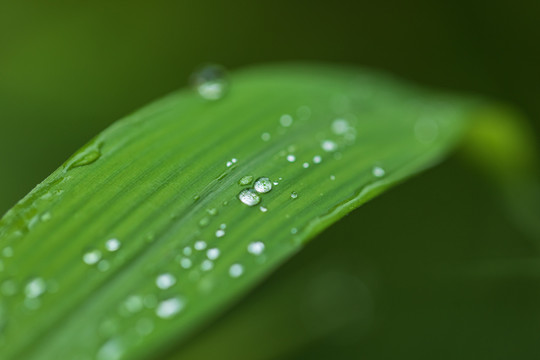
x: 263, y: 185
x: 165, y: 281
x: 35, y: 288
x: 256, y: 248
x: 245, y: 180
x: 236, y: 270
x: 211, y: 82
x: 378, y: 171
x: 112, y: 245
x: 170, y: 307
x: 91, y: 257
x: 249, y: 197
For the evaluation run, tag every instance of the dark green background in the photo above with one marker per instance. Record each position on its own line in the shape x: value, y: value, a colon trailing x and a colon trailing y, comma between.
x: 448, y: 276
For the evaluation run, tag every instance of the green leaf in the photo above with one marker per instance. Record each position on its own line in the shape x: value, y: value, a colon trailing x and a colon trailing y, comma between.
x: 164, y: 182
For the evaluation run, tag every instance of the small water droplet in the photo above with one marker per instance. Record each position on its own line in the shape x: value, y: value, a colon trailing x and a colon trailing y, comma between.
x: 340, y: 126
x: 220, y: 233
x: 165, y: 281
x: 256, y: 248
x: 294, y: 195
x: 213, y: 253
x: 185, y: 263
x: 263, y: 185
x: 329, y: 145
x: 112, y: 245
x: 46, y: 216
x: 332, y: 177
x: 211, y: 82
x: 207, y: 265
x: 187, y: 251
x: 35, y: 288
x: 317, y: 159
x: 245, y: 180
x: 305, y: 165
x: 7, y: 252
x: 249, y: 197
x: 265, y: 136
x: 294, y: 231
x: 200, y: 245
x: 291, y: 158
x: 170, y: 307
x: 212, y: 211
x: 286, y: 120
x: 91, y: 257
x: 378, y: 171
x: 263, y: 209
x: 204, y: 222
x: 134, y: 303
x: 223, y: 226
x: 236, y: 270
x: 103, y: 265
x: 111, y: 350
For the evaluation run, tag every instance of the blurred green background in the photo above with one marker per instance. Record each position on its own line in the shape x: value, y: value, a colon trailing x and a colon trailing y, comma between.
x: 433, y: 269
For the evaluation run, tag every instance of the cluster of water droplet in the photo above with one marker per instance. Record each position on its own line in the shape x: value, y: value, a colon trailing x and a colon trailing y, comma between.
x: 251, y: 196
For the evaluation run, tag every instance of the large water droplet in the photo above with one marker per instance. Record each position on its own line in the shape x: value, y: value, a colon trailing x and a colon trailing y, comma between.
x: 91, y: 257
x: 249, y: 197
x: 170, y: 307
x: 112, y: 244
x: 165, y: 281
x: 378, y: 171
x: 211, y: 82
x: 236, y: 270
x: 263, y: 185
x: 256, y: 248
x: 213, y: 253
x: 86, y: 156
x: 35, y: 288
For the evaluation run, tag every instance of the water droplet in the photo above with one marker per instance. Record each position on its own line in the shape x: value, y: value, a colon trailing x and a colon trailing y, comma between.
x: 305, y: 165
x: 46, y: 216
x: 263, y: 185
x: 317, y: 159
x: 212, y: 211
x: 263, y: 209
x: 249, y: 197
x: 211, y: 82
x: 86, y: 156
x: 294, y: 195
x: 200, y: 245
x: 223, y: 226
x: 291, y: 158
x: 207, y: 265
x: 170, y: 307
x: 220, y: 233
x: 236, y: 270
x: 111, y: 350
x: 256, y: 248
x: 329, y: 145
x: 112, y: 244
x: 340, y: 126
x: 294, y: 231
x: 204, y: 222
x: 265, y: 136
x: 378, y: 171
x: 185, y: 263
x: 35, y: 288
x: 134, y: 303
x: 165, y: 281
x: 286, y: 120
x: 245, y: 180
x: 103, y: 265
x: 91, y: 257
x: 187, y: 251
x: 213, y: 253
x: 332, y: 177
x: 7, y: 252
